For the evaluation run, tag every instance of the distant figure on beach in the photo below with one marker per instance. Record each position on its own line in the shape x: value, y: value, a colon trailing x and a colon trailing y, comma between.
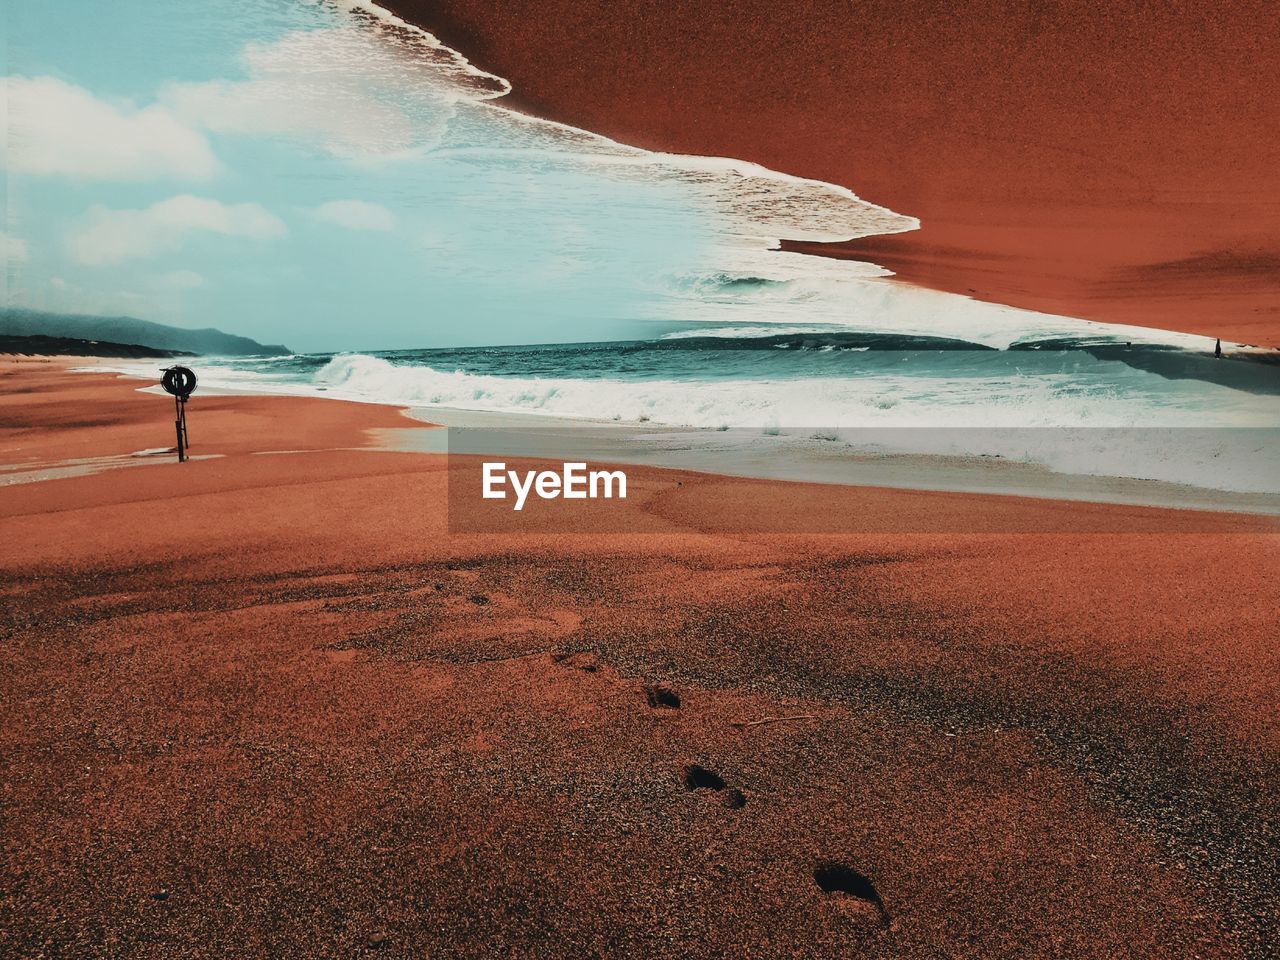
x: 1217, y: 350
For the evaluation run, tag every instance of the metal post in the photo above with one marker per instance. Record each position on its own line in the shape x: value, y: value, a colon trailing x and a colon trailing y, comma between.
x: 181, y: 383
x: 177, y: 423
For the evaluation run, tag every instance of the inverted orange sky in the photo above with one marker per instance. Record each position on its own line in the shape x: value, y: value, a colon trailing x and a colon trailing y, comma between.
x: 1115, y: 161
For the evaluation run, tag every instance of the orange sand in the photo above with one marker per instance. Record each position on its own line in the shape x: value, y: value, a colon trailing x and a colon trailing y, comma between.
x: 266, y: 704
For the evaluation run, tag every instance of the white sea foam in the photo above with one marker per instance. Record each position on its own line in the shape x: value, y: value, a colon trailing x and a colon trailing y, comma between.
x: 877, y: 400
x: 480, y: 82
x: 898, y: 413
x: 859, y: 304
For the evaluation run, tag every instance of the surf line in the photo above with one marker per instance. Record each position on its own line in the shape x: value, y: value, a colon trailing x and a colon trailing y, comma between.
x: 573, y: 482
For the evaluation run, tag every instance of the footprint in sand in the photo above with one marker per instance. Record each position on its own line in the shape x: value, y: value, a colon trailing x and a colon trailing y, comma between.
x: 661, y: 698
x: 851, y: 889
x: 697, y: 778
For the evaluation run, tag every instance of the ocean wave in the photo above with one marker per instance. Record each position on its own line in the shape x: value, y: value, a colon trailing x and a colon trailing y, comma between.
x: 901, y: 414
x: 904, y: 399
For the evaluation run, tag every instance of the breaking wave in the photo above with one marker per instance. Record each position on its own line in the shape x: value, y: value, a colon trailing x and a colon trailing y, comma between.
x: 882, y: 397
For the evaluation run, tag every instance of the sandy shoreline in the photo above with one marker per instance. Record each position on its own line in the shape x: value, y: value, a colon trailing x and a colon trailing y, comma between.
x: 864, y: 458
x: 266, y: 702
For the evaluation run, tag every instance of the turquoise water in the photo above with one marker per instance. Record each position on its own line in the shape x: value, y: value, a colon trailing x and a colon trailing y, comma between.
x: 818, y: 377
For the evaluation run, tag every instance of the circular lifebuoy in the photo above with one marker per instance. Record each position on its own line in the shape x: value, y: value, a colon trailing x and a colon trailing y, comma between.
x: 179, y: 381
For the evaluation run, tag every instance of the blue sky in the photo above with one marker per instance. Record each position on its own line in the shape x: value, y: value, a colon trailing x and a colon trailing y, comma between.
x: 278, y: 169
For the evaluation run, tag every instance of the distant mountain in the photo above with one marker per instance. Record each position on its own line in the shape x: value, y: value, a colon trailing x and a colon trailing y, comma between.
x: 19, y: 322
x: 39, y: 345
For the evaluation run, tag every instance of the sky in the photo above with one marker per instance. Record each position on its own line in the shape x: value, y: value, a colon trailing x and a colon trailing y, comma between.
x: 288, y: 171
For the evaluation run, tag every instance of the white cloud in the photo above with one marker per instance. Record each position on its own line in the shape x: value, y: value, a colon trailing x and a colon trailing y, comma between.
x: 69, y: 298
x: 110, y: 236
x: 56, y: 129
x: 12, y: 249
x: 350, y: 91
x: 356, y: 215
x: 181, y: 280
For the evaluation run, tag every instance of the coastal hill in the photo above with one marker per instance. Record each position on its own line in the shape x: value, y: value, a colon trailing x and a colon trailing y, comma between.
x: 44, y: 346
x: 132, y: 331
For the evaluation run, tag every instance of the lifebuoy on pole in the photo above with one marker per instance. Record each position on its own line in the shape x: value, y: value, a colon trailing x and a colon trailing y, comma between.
x: 181, y: 383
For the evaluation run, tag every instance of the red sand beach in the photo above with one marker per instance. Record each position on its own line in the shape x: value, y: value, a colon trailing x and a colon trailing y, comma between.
x: 264, y: 704
x: 1112, y: 162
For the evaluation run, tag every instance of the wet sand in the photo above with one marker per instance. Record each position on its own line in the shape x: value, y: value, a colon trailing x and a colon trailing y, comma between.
x: 266, y: 703
x: 1115, y: 164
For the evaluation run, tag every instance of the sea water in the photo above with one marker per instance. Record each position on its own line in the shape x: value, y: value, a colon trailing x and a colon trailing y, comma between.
x: 323, y: 175
x: 1082, y: 411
